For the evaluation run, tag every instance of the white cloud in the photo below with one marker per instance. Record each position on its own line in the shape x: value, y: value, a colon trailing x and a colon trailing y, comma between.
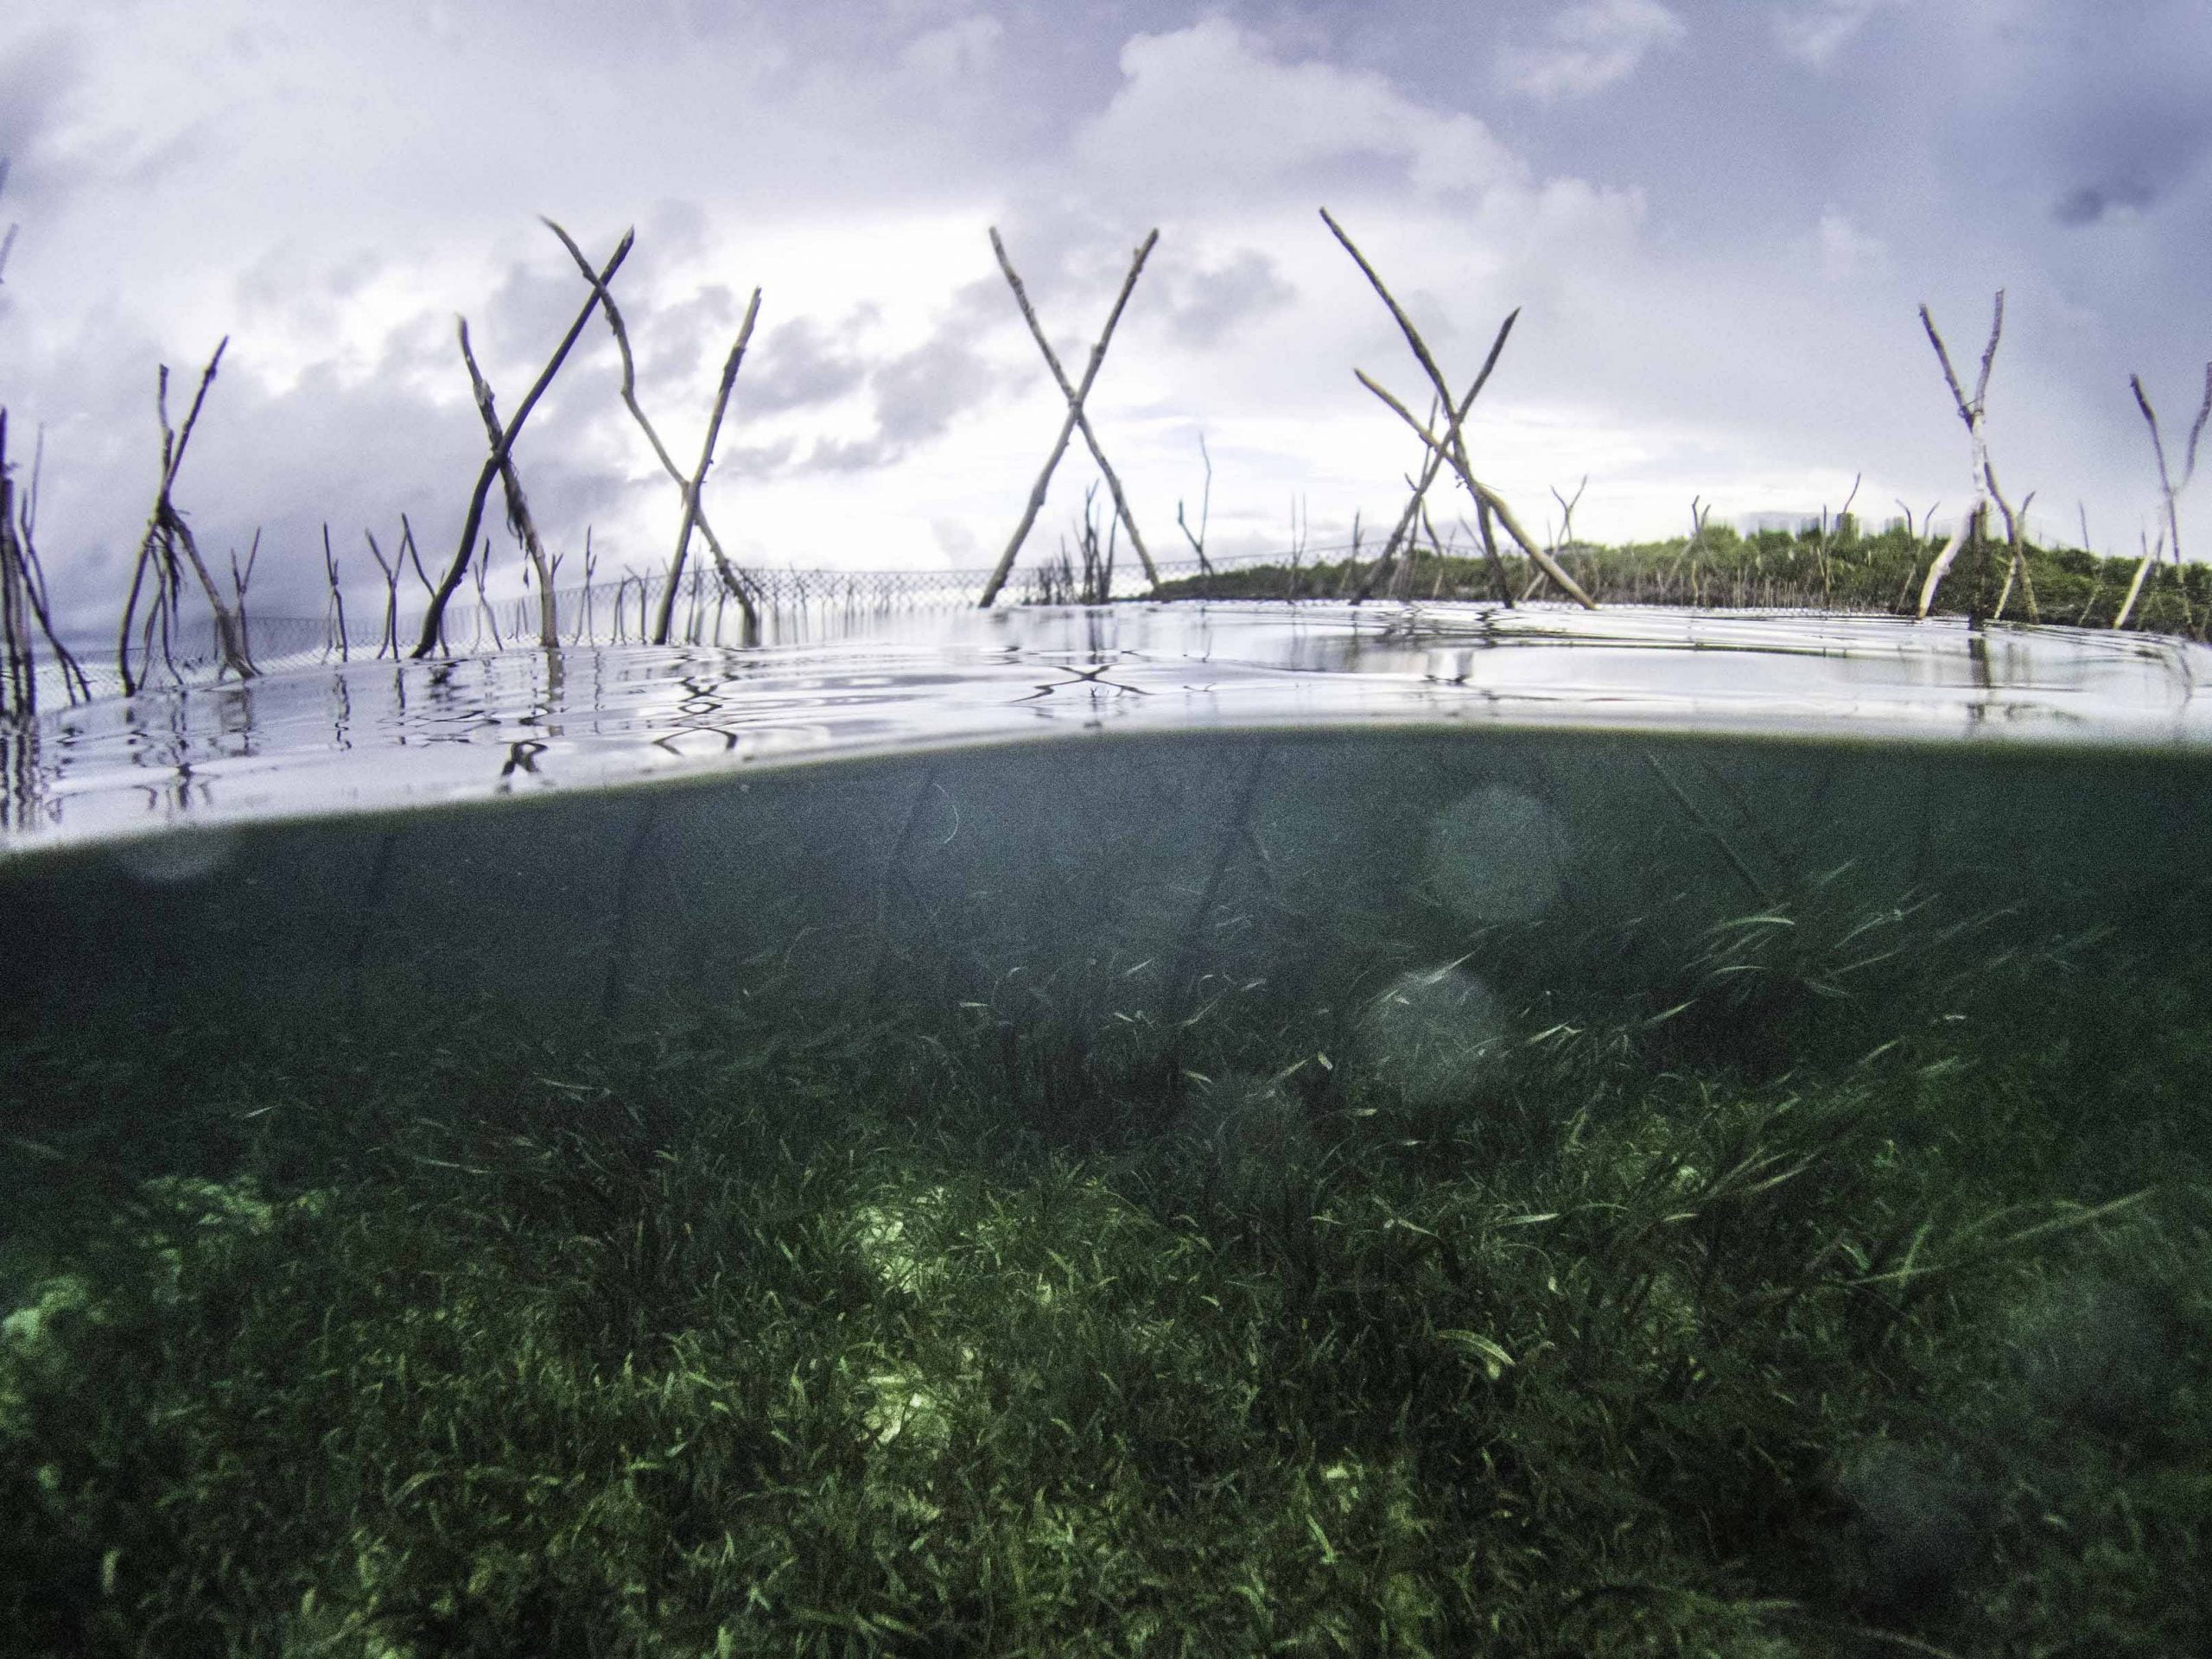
x: 1814, y: 33
x: 1591, y: 46
x: 1204, y: 113
x: 956, y: 52
x: 1847, y: 251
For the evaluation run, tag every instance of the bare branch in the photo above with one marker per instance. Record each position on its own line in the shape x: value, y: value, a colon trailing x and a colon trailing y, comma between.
x: 166, y: 531
x: 1989, y: 352
x: 698, y: 478
x: 1405, y: 323
x: 732, y: 580
x: 1075, y: 405
x: 390, y: 640
x: 2169, y: 491
x: 2151, y: 553
x: 1205, y: 513
x: 1483, y: 493
x: 8, y: 239
x: 1452, y: 447
x: 518, y: 517
x: 337, y: 600
x: 1984, y: 477
x: 1432, y: 461
x: 436, y: 614
x: 2196, y: 430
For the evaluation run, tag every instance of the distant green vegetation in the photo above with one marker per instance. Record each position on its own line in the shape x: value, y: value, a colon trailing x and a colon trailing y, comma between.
x: 740, y: 1337
x: 1843, y: 568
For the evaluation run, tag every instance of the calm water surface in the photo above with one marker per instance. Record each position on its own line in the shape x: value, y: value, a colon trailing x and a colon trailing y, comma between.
x: 371, y: 734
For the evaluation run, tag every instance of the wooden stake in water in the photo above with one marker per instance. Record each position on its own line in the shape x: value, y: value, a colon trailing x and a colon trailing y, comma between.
x: 518, y: 517
x: 1076, y: 418
x: 23, y: 583
x: 434, y: 616
x: 166, y: 534
x: 1452, y: 447
x: 2167, y: 488
x: 1984, y: 476
x: 733, y: 582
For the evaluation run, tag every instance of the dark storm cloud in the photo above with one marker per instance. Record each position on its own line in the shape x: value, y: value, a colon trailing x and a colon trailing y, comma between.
x: 917, y: 396
x: 2091, y: 202
x: 798, y: 364
x: 2120, y: 134
x: 37, y: 74
x: 919, y: 393
x: 1204, y: 304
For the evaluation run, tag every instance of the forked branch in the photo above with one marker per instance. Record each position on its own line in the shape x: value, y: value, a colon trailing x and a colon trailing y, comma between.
x: 166, y: 533
x: 1983, y: 477
x: 2168, y: 490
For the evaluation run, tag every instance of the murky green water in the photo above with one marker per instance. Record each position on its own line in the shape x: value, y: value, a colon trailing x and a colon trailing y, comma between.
x: 1424, y: 1133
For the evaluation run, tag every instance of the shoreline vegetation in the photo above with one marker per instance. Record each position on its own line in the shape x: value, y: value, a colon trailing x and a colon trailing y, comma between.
x: 931, y: 1332
x: 1904, y: 571
x: 1838, y: 566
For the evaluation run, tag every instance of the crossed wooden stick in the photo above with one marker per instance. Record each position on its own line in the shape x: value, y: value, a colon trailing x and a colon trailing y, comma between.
x: 1451, y: 449
x: 1077, y: 419
x: 694, y: 515
x: 498, y: 466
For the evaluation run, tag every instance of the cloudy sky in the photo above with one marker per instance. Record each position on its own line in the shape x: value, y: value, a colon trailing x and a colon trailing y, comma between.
x: 1717, y: 216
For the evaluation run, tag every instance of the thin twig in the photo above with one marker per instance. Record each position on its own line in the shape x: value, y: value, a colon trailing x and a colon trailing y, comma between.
x: 1205, y: 513
x: 166, y: 531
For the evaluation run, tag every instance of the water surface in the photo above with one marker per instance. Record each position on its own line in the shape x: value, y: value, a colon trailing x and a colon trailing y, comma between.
x: 369, y: 734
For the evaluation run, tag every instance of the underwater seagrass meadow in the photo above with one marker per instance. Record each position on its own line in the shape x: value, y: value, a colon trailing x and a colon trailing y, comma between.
x: 1295, y: 1190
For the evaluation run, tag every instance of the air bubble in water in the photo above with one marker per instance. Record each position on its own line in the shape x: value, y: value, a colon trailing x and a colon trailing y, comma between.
x: 1493, y: 856
x: 1431, y: 1033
